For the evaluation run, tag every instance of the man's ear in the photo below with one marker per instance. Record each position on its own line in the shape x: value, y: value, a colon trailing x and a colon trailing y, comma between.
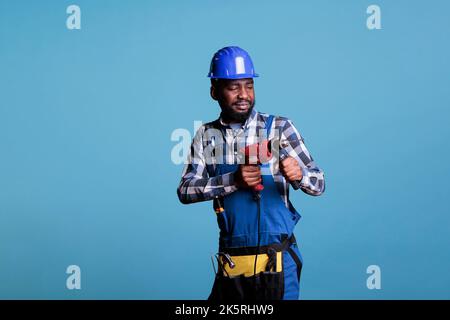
x: 213, y: 93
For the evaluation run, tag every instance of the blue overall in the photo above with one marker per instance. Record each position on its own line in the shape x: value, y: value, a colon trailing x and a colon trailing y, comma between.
x: 238, y: 223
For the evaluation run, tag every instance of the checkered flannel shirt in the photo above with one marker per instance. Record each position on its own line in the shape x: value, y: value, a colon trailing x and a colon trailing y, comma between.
x: 198, y: 181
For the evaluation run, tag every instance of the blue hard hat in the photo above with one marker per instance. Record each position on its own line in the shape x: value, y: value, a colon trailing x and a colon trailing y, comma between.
x: 231, y: 63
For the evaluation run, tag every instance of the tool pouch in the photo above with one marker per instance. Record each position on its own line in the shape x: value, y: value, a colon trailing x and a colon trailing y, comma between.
x: 263, y: 285
x: 237, y: 279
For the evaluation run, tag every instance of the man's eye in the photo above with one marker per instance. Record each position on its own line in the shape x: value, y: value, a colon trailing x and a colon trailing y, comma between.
x: 233, y: 88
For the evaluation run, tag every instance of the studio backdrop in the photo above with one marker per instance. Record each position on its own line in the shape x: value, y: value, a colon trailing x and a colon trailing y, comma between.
x: 100, y: 100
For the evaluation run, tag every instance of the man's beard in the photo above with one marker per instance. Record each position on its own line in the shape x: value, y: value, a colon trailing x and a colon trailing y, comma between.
x: 230, y: 115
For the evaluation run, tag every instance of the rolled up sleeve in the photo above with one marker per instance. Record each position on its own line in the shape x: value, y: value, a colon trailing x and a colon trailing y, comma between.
x: 313, y: 180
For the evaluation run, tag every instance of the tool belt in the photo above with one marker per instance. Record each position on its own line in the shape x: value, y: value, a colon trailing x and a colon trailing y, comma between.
x: 252, y: 273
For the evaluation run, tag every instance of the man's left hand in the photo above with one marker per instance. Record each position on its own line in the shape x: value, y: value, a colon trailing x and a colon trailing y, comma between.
x: 290, y: 169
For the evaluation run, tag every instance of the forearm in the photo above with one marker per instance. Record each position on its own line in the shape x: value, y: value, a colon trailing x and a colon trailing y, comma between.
x: 313, y: 181
x: 195, y: 189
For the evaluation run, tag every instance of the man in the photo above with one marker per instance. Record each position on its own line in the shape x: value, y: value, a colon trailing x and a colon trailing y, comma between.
x: 232, y: 164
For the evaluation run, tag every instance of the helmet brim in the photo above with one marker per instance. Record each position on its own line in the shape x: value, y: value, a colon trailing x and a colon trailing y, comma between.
x: 234, y: 77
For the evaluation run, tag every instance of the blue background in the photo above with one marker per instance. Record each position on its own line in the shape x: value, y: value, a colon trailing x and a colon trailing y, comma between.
x: 86, y: 118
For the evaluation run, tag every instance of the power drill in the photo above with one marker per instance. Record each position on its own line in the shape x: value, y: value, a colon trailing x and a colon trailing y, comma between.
x: 262, y: 152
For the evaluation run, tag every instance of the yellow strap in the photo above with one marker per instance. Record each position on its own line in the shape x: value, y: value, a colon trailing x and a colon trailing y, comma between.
x: 245, y: 264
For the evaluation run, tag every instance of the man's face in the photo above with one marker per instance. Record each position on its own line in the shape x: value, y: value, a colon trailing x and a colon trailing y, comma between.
x: 236, y: 98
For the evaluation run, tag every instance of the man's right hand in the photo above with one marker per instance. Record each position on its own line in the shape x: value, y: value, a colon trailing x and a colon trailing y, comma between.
x: 247, y: 176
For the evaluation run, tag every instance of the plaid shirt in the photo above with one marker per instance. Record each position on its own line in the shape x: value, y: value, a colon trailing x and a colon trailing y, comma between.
x: 199, y: 182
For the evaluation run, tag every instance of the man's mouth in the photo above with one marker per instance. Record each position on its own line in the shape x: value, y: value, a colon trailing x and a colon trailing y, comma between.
x: 242, y: 106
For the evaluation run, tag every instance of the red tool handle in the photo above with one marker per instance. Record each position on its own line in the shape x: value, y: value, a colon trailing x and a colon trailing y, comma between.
x: 260, y: 151
x: 258, y: 188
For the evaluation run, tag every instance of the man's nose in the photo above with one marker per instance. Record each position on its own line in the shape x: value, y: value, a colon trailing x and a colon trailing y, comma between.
x: 243, y: 93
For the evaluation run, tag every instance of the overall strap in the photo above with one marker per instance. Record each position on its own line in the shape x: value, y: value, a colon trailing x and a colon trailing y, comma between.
x: 269, y: 125
x: 269, y: 121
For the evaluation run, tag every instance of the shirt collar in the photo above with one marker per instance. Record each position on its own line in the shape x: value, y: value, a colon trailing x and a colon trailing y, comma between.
x: 250, y: 120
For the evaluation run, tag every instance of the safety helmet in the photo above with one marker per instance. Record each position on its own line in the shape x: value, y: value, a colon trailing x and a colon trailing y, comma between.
x: 231, y: 63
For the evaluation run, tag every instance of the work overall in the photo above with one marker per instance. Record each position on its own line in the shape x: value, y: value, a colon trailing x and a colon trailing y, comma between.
x: 258, y: 256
